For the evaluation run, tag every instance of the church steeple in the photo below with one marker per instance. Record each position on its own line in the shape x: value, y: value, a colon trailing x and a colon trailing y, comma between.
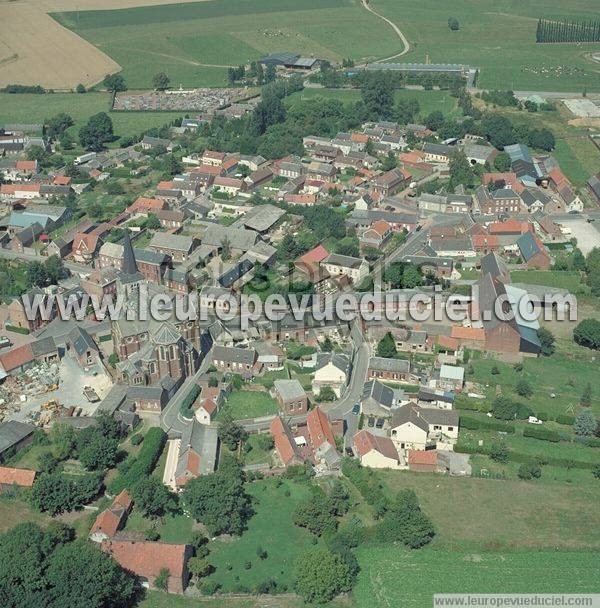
x: 129, y: 263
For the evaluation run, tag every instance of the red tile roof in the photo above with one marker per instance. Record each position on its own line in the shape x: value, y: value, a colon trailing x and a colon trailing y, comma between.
x: 467, y: 333
x: 209, y: 405
x: 284, y: 442
x: 19, y: 477
x: 62, y: 180
x: 364, y: 442
x: 16, y: 357
x: 319, y: 428
x: 510, y: 226
x: 27, y: 165
x: 422, y: 457
x: 314, y: 256
x: 146, y: 558
x: 485, y: 240
x: 380, y: 227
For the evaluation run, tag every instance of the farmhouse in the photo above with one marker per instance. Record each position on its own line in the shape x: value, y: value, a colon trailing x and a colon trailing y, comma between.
x: 376, y: 452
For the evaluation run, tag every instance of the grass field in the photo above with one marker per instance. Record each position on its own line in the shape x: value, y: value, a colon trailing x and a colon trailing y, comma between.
x: 249, y: 404
x: 498, y: 37
x: 429, y: 101
x: 564, y: 279
x: 391, y: 576
x: 485, y: 514
x: 29, y: 108
x: 272, y: 529
x: 188, y: 41
x: 564, y: 374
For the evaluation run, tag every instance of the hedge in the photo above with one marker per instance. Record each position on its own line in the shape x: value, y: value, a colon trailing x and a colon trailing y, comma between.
x: 541, y: 433
x: 565, y: 419
x: 17, y: 330
x: 136, y: 468
x: 475, y: 424
x: 520, y: 457
x: 185, y: 409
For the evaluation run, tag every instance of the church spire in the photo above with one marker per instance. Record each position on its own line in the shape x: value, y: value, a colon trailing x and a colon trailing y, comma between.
x: 129, y: 263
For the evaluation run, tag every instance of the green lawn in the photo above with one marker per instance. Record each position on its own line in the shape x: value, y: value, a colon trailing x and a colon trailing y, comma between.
x: 564, y: 374
x: 172, y: 528
x: 29, y: 108
x: 14, y: 511
x: 249, y: 404
x: 563, y: 279
x: 272, y: 529
x: 474, y: 514
x: 392, y: 576
x: 498, y: 37
x: 429, y: 101
x: 187, y: 39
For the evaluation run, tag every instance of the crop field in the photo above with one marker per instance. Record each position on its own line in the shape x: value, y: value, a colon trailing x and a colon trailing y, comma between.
x: 391, y: 576
x: 498, y: 37
x: 195, y: 43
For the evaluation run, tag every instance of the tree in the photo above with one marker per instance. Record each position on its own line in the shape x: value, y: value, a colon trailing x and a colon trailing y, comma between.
x: 504, y: 408
x: 152, y: 497
x: 404, y: 521
x: 230, y: 432
x: 546, y: 339
x: 321, y: 575
x: 453, y: 24
x: 58, y: 124
x: 461, y: 171
x: 586, y: 396
x: 434, y: 120
x: 161, y: 81
x: 95, y: 451
x: 48, y: 568
x: 542, y: 139
x: 387, y: 346
x: 219, y: 500
x: 339, y: 498
x: 162, y: 579
x: 66, y: 141
x: 502, y: 162
x: 114, y: 82
x: 498, y: 130
x: 326, y: 394
x: 96, y: 132
x: 80, y: 88
x: 199, y: 567
x: 587, y: 333
x: 411, y: 277
x: 327, y: 345
x: 523, y: 388
x: 270, y: 73
x: 378, y: 96
x: 585, y: 423
x: 529, y: 470
x: 62, y: 437
x: 499, y: 452
x: 316, y: 514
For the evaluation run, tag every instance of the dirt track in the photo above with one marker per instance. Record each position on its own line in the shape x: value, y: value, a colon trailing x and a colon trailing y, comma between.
x: 35, y: 49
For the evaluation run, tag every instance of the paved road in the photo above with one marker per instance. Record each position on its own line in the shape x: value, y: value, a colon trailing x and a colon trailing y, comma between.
x: 170, y: 421
x: 403, y: 39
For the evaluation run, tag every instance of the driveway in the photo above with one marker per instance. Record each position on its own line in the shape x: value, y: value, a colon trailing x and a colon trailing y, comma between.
x: 72, y: 379
x: 586, y: 233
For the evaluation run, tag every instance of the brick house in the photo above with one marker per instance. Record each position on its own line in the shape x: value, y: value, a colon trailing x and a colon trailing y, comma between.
x: 291, y: 397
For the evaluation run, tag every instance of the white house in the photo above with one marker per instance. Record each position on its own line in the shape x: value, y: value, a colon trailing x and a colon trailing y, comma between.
x: 344, y: 265
x: 419, y: 428
x: 377, y: 452
x: 332, y: 370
